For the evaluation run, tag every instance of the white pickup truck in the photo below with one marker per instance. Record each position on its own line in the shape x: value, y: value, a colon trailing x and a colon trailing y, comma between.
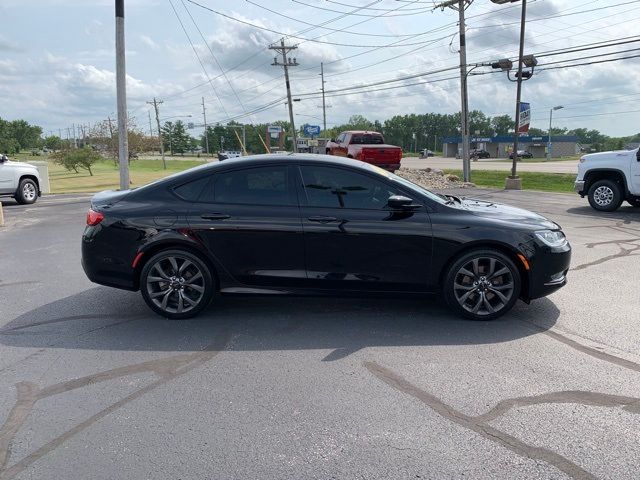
x: 609, y: 178
x: 19, y: 180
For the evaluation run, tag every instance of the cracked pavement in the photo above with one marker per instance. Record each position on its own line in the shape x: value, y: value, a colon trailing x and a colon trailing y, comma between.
x: 93, y: 385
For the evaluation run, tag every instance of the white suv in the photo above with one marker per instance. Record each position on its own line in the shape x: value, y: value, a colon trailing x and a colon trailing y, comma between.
x: 19, y: 180
x: 609, y: 178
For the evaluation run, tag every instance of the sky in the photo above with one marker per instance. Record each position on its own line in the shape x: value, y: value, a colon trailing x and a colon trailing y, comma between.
x: 57, y: 60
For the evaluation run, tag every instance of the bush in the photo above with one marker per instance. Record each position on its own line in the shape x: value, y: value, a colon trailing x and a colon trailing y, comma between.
x: 77, y: 158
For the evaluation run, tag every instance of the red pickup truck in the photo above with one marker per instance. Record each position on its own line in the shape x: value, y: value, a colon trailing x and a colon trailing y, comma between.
x: 368, y: 147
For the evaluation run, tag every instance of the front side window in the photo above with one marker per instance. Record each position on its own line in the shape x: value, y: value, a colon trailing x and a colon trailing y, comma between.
x: 338, y: 188
x: 253, y: 186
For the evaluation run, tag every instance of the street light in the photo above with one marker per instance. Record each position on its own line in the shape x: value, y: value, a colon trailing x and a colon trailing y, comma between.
x: 557, y: 107
x: 513, y: 181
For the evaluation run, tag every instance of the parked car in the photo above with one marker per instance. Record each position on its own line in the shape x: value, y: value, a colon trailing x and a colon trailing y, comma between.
x: 479, y: 153
x: 368, y: 147
x: 314, y: 224
x: 522, y: 154
x: 609, y: 178
x: 425, y: 153
x: 19, y: 180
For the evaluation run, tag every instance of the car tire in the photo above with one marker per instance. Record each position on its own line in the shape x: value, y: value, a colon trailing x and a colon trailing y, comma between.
x: 27, y: 192
x: 634, y: 202
x: 482, y: 284
x: 177, y: 284
x: 605, y: 195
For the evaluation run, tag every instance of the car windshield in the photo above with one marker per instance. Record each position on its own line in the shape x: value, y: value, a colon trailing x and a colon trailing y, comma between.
x: 367, y: 139
x: 410, y: 185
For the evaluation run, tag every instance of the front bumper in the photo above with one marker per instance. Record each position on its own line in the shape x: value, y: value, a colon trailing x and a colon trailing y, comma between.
x: 549, y: 268
x: 578, y: 186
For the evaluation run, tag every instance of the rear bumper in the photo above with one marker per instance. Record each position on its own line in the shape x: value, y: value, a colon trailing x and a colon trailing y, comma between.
x: 391, y: 167
x: 102, y: 266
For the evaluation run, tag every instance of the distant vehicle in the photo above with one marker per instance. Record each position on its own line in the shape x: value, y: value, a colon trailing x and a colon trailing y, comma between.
x: 19, y: 180
x: 609, y: 178
x: 424, y: 153
x: 522, y: 154
x: 279, y: 152
x: 368, y: 147
x: 479, y: 153
x: 226, y: 154
x: 312, y: 224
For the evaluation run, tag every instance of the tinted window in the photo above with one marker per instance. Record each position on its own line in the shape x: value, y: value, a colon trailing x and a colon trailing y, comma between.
x: 366, y: 139
x: 191, y: 191
x: 256, y: 186
x: 335, y: 187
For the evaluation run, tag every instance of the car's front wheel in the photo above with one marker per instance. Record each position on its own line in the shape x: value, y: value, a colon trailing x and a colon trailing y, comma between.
x: 605, y: 195
x: 482, y: 284
x: 27, y: 192
x: 176, y: 284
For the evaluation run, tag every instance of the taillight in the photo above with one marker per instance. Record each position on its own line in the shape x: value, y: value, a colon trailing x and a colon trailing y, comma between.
x: 94, y: 218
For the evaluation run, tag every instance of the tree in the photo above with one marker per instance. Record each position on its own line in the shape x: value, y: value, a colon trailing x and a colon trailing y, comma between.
x: 77, y: 158
x: 502, y: 124
x: 25, y: 134
x: 53, y: 142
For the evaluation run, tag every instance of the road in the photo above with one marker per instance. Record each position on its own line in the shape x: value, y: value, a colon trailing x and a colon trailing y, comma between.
x: 563, y: 166
x: 92, y: 385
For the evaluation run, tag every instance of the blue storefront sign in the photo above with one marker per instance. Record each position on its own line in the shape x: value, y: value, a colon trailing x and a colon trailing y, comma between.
x: 311, y: 130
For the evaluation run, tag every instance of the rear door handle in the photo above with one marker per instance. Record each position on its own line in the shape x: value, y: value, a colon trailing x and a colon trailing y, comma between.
x: 215, y: 216
x: 322, y: 219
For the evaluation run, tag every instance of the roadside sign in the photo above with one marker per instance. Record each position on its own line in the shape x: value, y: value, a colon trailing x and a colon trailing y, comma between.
x: 312, y: 130
x: 313, y: 142
x: 525, y: 117
x: 274, y: 129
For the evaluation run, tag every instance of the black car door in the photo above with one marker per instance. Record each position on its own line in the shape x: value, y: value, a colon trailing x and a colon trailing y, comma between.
x: 248, y: 219
x: 354, y: 240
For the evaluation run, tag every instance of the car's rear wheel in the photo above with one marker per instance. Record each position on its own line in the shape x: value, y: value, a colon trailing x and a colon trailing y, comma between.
x: 176, y: 284
x: 605, y: 195
x: 482, y: 284
x: 27, y: 192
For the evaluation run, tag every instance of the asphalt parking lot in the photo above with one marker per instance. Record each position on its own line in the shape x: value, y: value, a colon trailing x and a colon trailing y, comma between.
x: 93, y: 385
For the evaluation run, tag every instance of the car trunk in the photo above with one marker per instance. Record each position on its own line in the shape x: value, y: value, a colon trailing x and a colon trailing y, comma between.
x: 381, y: 154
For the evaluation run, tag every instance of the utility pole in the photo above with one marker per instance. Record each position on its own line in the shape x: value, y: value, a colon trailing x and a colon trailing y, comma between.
x: 121, y: 89
x: 282, y: 49
x: 150, y: 127
x: 155, y: 106
x: 206, y: 137
x: 514, y: 182
x: 324, y: 107
x: 461, y: 5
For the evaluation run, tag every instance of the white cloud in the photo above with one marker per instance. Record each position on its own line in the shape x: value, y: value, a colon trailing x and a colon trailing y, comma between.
x: 148, y: 41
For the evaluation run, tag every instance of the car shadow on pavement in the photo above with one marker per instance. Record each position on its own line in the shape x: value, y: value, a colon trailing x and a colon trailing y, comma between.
x: 107, y: 319
x: 626, y: 213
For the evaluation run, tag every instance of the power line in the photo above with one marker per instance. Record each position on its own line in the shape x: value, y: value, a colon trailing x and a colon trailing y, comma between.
x: 197, y: 56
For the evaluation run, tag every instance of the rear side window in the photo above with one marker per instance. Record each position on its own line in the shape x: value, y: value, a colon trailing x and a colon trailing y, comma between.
x: 338, y: 188
x: 191, y: 191
x: 253, y: 186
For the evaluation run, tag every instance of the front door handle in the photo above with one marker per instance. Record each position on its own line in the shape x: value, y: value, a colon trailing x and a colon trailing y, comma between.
x: 322, y: 219
x: 215, y: 216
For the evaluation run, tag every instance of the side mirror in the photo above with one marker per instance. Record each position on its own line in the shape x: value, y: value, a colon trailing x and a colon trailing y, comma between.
x: 400, y: 202
x: 333, y: 140
x: 3, y: 158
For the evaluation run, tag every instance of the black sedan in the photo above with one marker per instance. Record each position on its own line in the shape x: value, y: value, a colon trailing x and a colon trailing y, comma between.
x: 313, y: 224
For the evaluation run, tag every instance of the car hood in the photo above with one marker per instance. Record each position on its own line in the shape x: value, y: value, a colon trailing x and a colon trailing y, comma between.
x: 508, y: 214
x: 11, y: 163
x: 608, y: 156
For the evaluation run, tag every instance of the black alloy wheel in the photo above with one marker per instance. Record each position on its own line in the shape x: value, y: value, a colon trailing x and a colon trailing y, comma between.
x: 482, y: 284
x: 176, y: 284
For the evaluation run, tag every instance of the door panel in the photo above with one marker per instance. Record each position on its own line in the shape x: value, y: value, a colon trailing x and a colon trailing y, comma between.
x: 353, y: 241
x: 251, y: 225
x: 6, y: 179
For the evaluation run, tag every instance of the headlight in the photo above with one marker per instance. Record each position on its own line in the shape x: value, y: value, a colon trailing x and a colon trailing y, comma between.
x: 583, y: 159
x: 552, y: 238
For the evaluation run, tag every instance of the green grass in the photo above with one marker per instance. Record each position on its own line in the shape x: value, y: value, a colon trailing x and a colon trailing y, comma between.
x: 106, y: 175
x: 573, y: 158
x: 546, y: 182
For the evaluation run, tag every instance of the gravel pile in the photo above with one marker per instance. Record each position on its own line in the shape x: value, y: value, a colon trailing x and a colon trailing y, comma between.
x: 433, y: 178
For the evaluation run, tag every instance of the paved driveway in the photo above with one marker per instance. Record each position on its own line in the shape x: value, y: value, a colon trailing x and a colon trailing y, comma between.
x: 94, y: 386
